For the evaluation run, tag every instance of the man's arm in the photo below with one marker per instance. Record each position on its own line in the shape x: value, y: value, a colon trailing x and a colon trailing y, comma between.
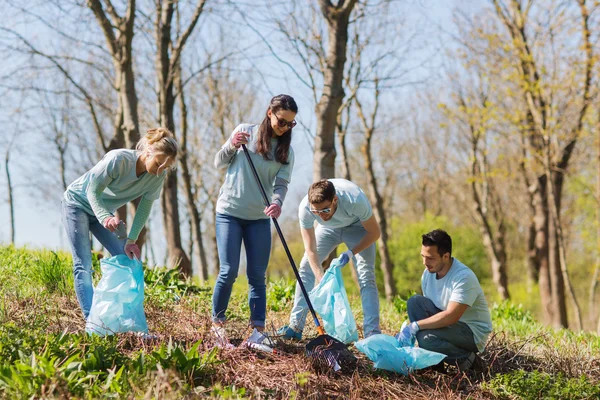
x: 445, y: 318
x: 373, y: 233
x: 310, y: 246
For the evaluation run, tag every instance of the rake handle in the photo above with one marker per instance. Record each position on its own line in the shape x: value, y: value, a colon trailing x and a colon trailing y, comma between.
x: 285, y: 246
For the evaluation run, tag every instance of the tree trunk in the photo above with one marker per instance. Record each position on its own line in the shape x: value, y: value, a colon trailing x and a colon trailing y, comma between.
x: 387, y: 265
x: 328, y: 107
x: 596, y: 275
x: 195, y: 217
x: 11, y: 204
x: 539, y: 254
x: 167, y: 56
x: 555, y: 191
x: 483, y: 194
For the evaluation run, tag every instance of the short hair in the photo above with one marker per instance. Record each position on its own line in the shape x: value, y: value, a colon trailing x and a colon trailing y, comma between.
x: 438, y: 238
x: 321, y: 191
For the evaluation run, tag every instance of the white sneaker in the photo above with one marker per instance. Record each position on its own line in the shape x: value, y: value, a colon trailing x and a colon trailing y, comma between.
x: 260, y: 341
x: 220, y: 335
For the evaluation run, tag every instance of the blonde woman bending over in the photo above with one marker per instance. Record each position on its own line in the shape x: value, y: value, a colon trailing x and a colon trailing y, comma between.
x: 89, y: 203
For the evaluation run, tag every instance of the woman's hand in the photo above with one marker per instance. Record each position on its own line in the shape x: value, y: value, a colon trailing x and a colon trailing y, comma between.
x: 111, y: 223
x: 239, y: 138
x: 132, y: 250
x: 273, y: 210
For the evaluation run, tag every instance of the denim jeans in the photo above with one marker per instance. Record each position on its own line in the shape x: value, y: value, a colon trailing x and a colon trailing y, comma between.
x: 78, y: 225
x: 256, y: 235
x: 327, y: 240
x: 456, y: 340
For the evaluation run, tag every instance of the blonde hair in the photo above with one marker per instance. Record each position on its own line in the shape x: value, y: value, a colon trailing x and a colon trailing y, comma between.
x: 159, y: 140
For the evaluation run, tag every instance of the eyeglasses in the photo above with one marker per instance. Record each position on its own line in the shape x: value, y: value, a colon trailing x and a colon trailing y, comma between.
x: 323, y: 211
x: 282, y: 122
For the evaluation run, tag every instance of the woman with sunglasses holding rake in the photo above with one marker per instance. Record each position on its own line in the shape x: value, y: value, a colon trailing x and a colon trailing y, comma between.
x: 241, y: 214
x: 90, y: 202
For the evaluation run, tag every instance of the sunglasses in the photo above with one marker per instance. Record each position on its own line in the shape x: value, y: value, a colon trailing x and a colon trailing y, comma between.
x: 282, y: 122
x: 323, y: 211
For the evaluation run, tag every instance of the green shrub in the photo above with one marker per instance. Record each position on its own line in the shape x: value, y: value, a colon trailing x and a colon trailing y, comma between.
x: 540, y: 385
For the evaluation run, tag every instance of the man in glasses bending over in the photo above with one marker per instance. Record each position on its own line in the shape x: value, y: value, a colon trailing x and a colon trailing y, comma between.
x: 343, y: 214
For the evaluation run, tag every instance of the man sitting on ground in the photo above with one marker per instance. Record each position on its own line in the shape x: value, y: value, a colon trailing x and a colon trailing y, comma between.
x: 452, y: 315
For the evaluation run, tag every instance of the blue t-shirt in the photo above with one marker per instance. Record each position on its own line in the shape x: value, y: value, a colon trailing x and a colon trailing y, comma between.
x: 353, y: 207
x: 460, y: 285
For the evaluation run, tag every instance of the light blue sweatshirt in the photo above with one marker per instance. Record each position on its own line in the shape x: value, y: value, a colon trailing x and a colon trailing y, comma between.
x: 113, y: 183
x: 240, y: 195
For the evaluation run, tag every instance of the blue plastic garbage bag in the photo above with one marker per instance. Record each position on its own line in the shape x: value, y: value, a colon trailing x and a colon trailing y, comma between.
x: 388, y: 354
x: 118, y: 303
x: 330, y: 300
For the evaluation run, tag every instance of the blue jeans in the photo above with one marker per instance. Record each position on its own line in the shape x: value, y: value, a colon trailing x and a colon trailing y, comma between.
x: 256, y: 235
x: 456, y: 340
x: 327, y: 240
x: 78, y: 225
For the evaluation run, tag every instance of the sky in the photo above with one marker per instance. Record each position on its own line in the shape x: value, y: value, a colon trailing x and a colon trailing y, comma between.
x: 38, y: 222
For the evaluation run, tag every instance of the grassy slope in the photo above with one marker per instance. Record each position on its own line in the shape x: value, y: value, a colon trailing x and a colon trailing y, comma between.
x: 44, y: 352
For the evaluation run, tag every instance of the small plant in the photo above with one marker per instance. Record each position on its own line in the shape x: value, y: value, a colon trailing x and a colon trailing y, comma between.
x: 53, y: 273
x: 400, y: 303
x: 228, y: 392
x: 280, y: 294
x: 508, y: 311
x: 166, y: 285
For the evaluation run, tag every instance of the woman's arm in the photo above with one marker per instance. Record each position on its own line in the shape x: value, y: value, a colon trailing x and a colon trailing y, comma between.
x: 141, y: 217
x: 225, y: 155
x: 103, y: 174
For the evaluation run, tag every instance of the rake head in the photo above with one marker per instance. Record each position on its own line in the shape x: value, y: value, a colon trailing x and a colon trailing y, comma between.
x: 329, y: 353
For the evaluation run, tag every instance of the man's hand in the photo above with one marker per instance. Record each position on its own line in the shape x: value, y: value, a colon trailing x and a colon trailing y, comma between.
x: 406, y: 337
x: 346, y: 257
x: 318, y: 276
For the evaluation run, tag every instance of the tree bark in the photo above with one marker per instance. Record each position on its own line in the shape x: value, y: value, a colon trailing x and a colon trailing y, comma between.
x: 168, y: 55
x: 328, y: 107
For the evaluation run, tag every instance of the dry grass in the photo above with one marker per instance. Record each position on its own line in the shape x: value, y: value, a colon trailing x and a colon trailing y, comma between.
x: 291, y: 374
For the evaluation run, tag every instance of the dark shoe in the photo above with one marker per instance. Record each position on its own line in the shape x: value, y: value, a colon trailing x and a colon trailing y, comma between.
x: 287, y: 332
x: 466, y: 364
x: 439, y: 368
x: 479, y: 365
x: 472, y: 362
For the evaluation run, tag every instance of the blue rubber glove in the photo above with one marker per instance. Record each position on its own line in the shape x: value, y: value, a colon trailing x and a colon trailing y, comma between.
x: 346, y: 257
x: 406, y: 336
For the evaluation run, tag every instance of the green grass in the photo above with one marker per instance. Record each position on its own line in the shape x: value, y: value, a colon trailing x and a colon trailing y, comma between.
x: 45, y: 353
